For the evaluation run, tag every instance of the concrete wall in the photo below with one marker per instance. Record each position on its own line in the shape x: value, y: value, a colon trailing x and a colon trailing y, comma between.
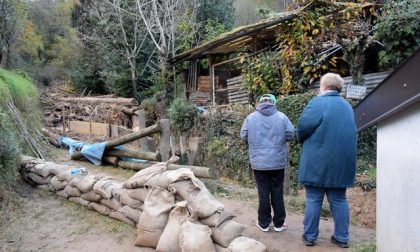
x: 398, y: 182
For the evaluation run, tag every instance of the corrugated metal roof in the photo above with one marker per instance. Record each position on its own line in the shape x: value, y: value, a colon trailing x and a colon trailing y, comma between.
x: 371, y: 81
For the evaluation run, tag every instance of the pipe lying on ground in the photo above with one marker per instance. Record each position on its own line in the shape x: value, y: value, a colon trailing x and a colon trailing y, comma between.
x: 124, y: 139
x: 199, y: 171
x: 151, y: 156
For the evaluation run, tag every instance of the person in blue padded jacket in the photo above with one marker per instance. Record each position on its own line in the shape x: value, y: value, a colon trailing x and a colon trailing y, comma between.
x: 266, y: 131
x: 327, y: 131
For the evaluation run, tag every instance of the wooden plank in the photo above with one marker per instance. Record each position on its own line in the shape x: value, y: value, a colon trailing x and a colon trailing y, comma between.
x: 165, y: 145
x: 114, y: 131
x: 144, y: 146
x: 238, y: 95
x: 237, y: 92
x: 234, y: 79
x: 100, y: 129
x: 79, y: 127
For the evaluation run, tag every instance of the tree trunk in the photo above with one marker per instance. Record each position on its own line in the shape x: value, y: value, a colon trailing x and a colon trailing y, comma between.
x: 134, y: 154
x: 96, y: 100
x: 4, y: 55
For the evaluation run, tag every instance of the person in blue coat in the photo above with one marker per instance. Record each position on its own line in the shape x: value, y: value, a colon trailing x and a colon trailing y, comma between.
x: 327, y: 131
x: 266, y: 131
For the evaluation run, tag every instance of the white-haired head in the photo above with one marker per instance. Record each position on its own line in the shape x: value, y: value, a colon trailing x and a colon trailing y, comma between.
x: 331, y: 81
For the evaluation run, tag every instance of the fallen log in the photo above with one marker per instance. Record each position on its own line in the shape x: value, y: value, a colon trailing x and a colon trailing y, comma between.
x: 96, y: 100
x: 199, y: 171
x: 111, y: 160
x: 124, y: 139
x: 151, y: 156
x: 51, y: 137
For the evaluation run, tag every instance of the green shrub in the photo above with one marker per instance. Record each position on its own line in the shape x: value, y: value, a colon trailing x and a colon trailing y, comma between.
x: 9, y: 157
x: 182, y: 113
x: 399, y: 30
x: 292, y: 106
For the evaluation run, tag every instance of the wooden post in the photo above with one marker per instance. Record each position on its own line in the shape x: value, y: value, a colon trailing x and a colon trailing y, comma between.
x: 172, y: 141
x: 144, y: 146
x: 182, y: 146
x: 165, y: 145
x: 134, y: 154
x: 213, y: 88
x: 195, y: 149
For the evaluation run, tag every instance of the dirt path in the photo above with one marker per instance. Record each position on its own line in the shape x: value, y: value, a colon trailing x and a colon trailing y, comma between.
x: 49, y: 223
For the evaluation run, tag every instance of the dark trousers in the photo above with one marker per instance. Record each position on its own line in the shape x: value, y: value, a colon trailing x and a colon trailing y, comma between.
x: 270, y: 194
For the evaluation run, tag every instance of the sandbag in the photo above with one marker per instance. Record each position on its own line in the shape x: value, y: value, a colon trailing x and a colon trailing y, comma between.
x: 47, y: 187
x: 104, y: 210
x: 245, y: 244
x: 131, y: 213
x: 91, y: 196
x: 66, y: 175
x: 38, y: 179
x: 217, y: 218
x: 154, y: 217
x: 119, y: 216
x: 220, y: 248
x: 167, y: 177
x: 195, y: 237
x: 140, y: 178
x: 61, y: 193
x: 104, y: 187
x: 112, y: 203
x: 57, y: 184
x: 79, y: 201
x: 72, y: 191
x: 43, y: 169
x: 85, y: 182
x: 199, y: 198
x: 169, y: 240
x: 125, y: 199
x: 138, y: 193
x: 226, y: 232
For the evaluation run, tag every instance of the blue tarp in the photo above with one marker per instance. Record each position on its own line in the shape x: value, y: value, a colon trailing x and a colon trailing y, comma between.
x: 92, y: 152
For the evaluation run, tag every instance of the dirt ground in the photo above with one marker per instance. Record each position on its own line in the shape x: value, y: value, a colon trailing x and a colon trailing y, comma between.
x: 46, y: 222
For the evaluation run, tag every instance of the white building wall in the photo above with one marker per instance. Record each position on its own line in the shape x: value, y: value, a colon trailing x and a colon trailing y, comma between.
x: 398, y: 182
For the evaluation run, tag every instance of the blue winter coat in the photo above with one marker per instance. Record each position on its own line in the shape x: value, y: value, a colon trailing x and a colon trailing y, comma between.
x: 328, y: 133
x: 266, y: 131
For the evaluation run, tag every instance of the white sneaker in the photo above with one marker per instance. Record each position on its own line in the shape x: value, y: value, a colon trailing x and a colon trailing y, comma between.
x: 262, y: 229
x: 281, y: 229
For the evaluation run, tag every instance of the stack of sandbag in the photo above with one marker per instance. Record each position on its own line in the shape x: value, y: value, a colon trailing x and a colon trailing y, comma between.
x: 172, y: 209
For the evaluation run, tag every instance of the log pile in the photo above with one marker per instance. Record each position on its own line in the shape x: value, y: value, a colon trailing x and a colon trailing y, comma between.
x: 59, y: 106
x: 172, y: 210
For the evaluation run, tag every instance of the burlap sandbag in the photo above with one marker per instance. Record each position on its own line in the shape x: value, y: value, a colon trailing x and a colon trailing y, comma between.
x: 217, y: 218
x: 138, y: 193
x: 154, y: 217
x: 140, y: 178
x: 104, y: 187
x: 61, y: 193
x: 66, y: 175
x: 79, y: 201
x: 104, y: 210
x: 220, y: 248
x: 91, y: 196
x: 38, y: 179
x: 199, y: 198
x: 47, y: 187
x: 112, y: 203
x: 195, y: 237
x: 169, y: 240
x: 85, y: 182
x: 125, y: 199
x: 43, y: 169
x: 167, y: 177
x: 131, y: 213
x: 226, y: 232
x: 58, y: 185
x: 121, y: 217
x: 72, y: 191
x: 245, y: 244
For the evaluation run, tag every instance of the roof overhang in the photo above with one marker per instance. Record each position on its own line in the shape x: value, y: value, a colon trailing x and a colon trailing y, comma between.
x: 398, y: 91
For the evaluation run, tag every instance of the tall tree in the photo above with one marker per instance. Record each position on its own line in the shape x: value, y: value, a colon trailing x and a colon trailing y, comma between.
x: 221, y: 10
x: 12, y: 19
